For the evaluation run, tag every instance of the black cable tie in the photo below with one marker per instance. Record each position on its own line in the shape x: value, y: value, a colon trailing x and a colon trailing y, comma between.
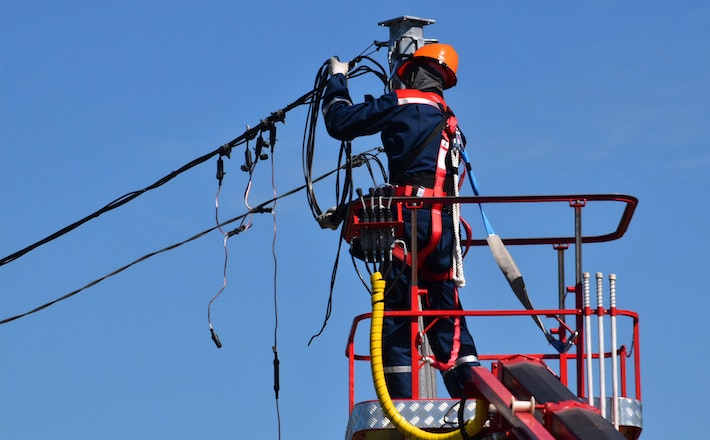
x: 278, y: 116
x: 225, y: 150
x: 258, y: 150
x: 220, y: 170
x: 236, y: 231
x: 272, y: 137
x: 354, y: 62
x: 261, y: 210
x: 277, y: 386
x: 357, y: 161
x: 248, y: 162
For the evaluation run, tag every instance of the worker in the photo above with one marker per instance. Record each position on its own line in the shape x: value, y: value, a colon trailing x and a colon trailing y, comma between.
x: 412, y: 122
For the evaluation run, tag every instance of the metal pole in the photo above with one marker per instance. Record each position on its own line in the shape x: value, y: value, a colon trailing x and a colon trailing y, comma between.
x: 600, y: 318
x: 425, y: 386
x: 414, y: 305
x: 614, y: 361
x: 561, y: 287
x: 562, y: 295
x: 578, y: 205
x: 588, y: 338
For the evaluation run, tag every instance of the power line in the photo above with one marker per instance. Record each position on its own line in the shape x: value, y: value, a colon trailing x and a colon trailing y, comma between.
x: 267, y: 124
x: 261, y: 208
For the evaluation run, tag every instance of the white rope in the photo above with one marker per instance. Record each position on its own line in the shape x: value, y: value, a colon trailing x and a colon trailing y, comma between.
x: 457, y: 263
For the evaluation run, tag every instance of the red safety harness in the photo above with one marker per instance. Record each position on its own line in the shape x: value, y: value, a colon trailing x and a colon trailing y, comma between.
x: 444, y: 168
x: 410, y: 96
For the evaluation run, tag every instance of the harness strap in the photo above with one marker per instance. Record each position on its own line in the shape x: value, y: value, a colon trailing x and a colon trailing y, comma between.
x: 446, y: 130
x: 413, y: 96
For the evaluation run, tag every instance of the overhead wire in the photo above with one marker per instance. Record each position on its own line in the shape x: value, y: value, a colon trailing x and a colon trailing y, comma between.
x: 108, y: 207
x: 343, y: 194
x: 261, y: 208
x: 223, y: 150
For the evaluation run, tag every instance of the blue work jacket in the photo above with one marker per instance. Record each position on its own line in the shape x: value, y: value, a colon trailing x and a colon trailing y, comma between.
x: 403, y: 126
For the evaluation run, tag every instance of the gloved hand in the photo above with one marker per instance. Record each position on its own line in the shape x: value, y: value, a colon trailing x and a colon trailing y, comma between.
x: 337, y: 66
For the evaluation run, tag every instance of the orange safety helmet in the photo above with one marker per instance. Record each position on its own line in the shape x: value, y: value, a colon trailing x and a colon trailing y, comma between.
x: 441, y: 56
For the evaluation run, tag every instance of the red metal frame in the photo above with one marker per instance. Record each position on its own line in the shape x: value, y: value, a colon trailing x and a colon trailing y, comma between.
x: 563, y: 359
x: 578, y: 202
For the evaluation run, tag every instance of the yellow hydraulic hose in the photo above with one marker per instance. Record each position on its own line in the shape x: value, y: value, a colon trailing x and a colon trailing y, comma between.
x: 473, y: 426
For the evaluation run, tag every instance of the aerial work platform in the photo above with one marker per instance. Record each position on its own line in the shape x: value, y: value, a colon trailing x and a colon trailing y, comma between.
x: 593, y: 393
x: 555, y: 414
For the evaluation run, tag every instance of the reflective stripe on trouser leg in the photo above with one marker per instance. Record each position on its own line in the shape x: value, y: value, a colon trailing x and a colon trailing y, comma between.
x: 456, y: 378
x: 399, y: 381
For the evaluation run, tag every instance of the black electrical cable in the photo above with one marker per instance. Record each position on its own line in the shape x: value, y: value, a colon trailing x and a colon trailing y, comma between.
x: 261, y: 208
x: 329, y: 306
x: 110, y: 206
x: 309, y: 137
x: 343, y: 193
x: 224, y: 150
x: 462, y: 420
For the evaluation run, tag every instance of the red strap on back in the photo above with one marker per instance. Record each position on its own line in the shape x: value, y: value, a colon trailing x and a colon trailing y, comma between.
x: 411, y: 96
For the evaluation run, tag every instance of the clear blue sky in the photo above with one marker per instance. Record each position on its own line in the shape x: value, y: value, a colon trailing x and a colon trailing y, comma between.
x: 101, y: 98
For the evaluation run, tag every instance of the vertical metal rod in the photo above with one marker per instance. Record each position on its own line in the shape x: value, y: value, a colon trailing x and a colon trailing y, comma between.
x: 614, y: 360
x: 414, y: 305
x: 562, y: 296
x: 424, y: 378
x: 600, y: 318
x: 561, y: 287
x: 623, y: 370
x: 588, y: 338
x: 578, y: 205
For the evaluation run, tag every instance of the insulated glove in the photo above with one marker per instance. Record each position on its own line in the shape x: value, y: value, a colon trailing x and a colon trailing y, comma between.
x: 337, y: 66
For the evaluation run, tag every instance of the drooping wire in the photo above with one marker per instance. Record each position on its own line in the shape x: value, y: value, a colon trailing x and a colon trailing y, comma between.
x: 329, y: 305
x: 215, y: 338
x: 277, y: 363
x: 344, y: 196
x: 227, y: 235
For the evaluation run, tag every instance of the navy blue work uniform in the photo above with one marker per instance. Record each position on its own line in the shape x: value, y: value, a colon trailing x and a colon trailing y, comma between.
x: 405, y: 121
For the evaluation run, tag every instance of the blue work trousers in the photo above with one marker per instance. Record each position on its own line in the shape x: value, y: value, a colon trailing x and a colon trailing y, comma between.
x: 441, y: 295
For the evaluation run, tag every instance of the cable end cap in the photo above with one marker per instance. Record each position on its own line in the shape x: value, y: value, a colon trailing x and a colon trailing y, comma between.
x: 215, y: 338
